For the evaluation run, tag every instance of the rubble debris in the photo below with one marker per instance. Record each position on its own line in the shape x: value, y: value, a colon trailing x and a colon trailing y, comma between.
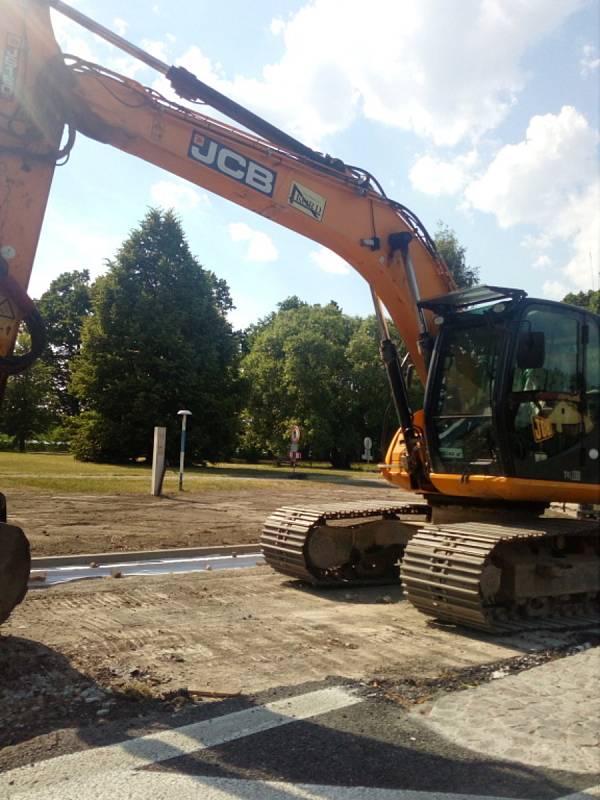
x: 410, y: 691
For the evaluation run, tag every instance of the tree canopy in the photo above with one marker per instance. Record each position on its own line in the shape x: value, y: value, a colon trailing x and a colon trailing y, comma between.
x: 64, y: 307
x: 316, y: 367
x: 26, y: 410
x: 589, y: 300
x: 151, y: 337
x: 157, y: 341
x: 455, y: 256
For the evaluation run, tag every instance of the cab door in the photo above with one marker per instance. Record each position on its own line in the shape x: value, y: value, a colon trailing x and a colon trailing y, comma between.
x: 553, y: 394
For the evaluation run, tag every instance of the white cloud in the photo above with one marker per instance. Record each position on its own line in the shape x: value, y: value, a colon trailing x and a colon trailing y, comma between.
x: 530, y: 182
x: 436, y: 177
x: 120, y: 26
x: 549, y: 180
x: 277, y: 26
x: 260, y: 247
x: 542, y: 263
x: 74, y: 40
x: 589, y: 61
x: 178, y: 195
x: 581, y: 226
x: 446, y: 71
x: 554, y: 290
x: 158, y: 49
x: 329, y: 261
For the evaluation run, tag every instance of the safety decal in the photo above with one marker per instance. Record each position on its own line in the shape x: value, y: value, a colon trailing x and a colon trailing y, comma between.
x: 307, y: 201
x: 6, y: 309
x: 234, y: 165
x: 10, y: 64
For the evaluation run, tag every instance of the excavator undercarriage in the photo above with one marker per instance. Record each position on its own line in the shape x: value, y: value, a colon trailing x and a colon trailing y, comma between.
x: 543, y: 573
x: 340, y: 543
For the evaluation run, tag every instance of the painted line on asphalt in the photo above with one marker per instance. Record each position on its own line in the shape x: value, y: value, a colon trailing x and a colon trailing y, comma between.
x: 174, y: 786
x: 586, y: 794
x: 92, y: 765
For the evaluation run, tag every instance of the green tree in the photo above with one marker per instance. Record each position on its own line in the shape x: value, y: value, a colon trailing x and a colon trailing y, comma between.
x: 297, y: 373
x: 27, y: 409
x: 157, y: 341
x: 64, y: 307
x: 314, y: 366
x: 589, y: 300
x: 454, y: 254
x: 372, y: 408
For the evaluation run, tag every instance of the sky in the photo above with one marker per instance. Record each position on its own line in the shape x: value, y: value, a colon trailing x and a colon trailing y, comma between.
x: 481, y: 114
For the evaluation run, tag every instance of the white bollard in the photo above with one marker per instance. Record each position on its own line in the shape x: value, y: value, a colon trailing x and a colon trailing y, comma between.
x: 158, y: 460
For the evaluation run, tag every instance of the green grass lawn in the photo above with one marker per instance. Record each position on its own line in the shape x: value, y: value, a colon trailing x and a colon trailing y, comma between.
x: 61, y: 474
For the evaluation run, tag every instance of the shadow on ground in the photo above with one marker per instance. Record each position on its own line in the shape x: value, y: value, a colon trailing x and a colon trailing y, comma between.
x: 376, y: 746
x: 373, y: 744
x: 41, y: 692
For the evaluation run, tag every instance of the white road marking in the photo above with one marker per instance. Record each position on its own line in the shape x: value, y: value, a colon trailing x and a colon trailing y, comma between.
x: 124, y: 757
x: 587, y: 794
x: 173, y: 786
x: 114, y: 771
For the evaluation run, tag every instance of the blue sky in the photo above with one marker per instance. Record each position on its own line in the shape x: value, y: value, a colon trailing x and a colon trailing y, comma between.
x: 480, y: 113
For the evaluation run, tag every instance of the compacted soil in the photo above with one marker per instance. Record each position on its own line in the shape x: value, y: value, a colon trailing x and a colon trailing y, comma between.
x: 77, y: 523
x: 79, y: 656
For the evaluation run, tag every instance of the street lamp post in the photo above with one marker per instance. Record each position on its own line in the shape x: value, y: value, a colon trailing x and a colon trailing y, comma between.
x: 184, y: 414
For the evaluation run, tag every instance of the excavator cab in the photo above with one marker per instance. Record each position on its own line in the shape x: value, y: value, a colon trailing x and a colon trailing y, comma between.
x: 514, y: 388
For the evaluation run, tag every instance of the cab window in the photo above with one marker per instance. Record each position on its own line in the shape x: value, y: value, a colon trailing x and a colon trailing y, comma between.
x: 550, y: 415
x: 463, y: 419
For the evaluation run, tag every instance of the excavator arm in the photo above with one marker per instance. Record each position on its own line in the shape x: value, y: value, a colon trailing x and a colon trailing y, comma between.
x: 321, y: 198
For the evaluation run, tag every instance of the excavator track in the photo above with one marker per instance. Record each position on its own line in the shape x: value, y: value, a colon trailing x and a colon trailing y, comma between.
x: 15, y: 561
x: 505, y: 578
x: 304, y: 542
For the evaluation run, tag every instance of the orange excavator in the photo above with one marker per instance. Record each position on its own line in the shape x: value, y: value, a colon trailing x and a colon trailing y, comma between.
x: 510, y: 420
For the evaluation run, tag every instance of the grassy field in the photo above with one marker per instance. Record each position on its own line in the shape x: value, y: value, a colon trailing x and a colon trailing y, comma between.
x: 61, y: 474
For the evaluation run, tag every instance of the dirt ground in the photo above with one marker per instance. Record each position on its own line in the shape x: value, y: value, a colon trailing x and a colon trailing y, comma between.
x: 57, y: 525
x: 76, y: 657
x: 89, y: 653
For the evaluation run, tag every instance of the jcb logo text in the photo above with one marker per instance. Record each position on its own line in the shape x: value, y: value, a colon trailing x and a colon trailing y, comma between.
x: 234, y: 165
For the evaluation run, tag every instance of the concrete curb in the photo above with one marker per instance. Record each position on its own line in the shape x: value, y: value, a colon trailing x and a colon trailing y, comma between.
x: 106, y: 559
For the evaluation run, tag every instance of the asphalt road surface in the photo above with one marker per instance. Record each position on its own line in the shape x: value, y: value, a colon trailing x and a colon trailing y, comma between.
x: 315, y: 742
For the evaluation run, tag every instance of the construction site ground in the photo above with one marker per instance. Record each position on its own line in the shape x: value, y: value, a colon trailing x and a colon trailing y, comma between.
x: 58, y: 524
x: 94, y: 655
